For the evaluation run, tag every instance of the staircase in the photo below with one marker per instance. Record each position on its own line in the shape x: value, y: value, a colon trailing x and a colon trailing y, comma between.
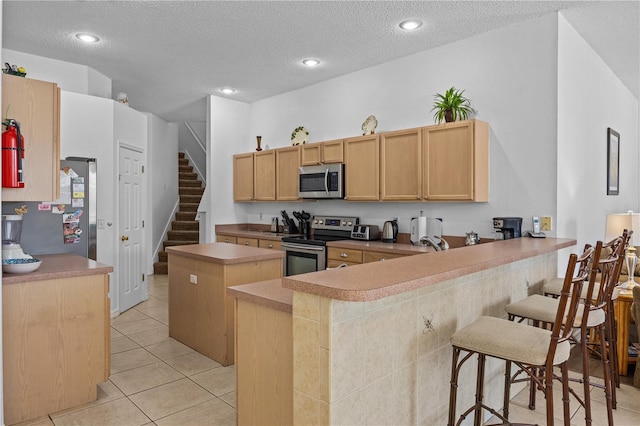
x: 185, y: 229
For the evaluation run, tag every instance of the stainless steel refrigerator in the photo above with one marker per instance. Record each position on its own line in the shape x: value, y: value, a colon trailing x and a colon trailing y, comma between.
x: 66, y: 225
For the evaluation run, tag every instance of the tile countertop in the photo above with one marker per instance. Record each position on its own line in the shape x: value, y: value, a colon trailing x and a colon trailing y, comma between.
x: 265, y: 293
x: 56, y: 266
x: 372, y: 281
x: 224, y: 253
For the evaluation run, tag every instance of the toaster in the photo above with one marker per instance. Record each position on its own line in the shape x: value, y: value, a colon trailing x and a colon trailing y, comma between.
x: 365, y: 232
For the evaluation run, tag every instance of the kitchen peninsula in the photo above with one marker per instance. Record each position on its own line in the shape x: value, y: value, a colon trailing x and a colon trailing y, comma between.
x: 56, y: 332
x: 371, y: 342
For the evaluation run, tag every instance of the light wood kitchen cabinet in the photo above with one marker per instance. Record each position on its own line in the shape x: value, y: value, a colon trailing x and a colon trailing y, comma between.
x: 229, y: 239
x: 264, y: 175
x: 243, y: 177
x: 401, y: 165
x: 57, y: 336
x: 322, y: 153
x: 35, y: 105
x: 202, y: 315
x: 344, y: 255
x: 362, y: 168
x: 270, y: 244
x: 287, y: 164
x: 376, y: 256
x: 456, y: 161
x: 249, y: 242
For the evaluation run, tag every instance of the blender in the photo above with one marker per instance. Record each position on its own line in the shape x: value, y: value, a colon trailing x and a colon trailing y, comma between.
x: 11, y: 233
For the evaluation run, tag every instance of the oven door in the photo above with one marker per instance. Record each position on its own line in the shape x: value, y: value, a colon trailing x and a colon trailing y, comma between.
x: 302, y: 258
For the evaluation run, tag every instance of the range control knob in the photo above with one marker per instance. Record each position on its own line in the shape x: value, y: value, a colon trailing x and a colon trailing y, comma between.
x: 349, y: 223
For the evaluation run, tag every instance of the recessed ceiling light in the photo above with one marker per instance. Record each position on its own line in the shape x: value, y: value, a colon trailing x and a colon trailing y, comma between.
x: 228, y: 90
x: 87, y: 38
x: 311, y: 62
x: 410, y: 24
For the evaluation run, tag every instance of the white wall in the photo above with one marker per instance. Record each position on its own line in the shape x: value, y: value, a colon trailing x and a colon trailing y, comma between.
x: 590, y: 99
x: 69, y: 76
x: 86, y: 130
x: 163, y: 183
x: 91, y: 126
x: 509, y: 75
x: 227, y: 135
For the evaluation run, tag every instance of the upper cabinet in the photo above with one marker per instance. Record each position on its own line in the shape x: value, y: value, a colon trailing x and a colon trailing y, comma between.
x: 36, y: 106
x: 243, y: 177
x: 401, y: 165
x: 456, y: 161
x: 322, y: 153
x: 444, y: 162
x: 264, y: 175
x: 287, y: 164
x: 362, y: 168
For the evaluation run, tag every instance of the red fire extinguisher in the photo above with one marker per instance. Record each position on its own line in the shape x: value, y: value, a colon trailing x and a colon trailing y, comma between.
x: 12, y: 155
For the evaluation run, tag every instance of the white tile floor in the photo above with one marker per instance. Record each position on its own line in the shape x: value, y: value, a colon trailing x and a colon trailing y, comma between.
x: 156, y: 380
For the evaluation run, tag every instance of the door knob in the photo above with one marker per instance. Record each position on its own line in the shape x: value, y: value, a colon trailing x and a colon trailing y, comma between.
x: 124, y: 238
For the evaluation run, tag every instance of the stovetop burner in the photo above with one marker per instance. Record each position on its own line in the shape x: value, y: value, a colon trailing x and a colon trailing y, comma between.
x: 327, y: 228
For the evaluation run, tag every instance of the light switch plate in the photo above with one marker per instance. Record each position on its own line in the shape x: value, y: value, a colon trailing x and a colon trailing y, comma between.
x: 193, y: 279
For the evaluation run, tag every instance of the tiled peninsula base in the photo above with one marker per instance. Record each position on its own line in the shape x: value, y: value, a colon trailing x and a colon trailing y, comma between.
x: 388, y: 361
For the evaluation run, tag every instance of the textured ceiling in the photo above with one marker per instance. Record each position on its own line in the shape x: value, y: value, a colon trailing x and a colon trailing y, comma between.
x: 168, y: 55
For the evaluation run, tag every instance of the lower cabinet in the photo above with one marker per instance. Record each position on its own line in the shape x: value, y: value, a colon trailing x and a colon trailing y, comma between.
x: 337, y: 256
x: 376, y: 256
x: 56, y: 344
x: 229, y: 239
x: 249, y: 242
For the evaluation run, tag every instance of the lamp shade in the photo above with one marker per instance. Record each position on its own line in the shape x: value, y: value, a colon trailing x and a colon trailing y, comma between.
x: 618, y: 222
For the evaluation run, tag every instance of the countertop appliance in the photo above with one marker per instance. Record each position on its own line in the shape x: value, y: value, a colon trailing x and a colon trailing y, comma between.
x: 510, y: 227
x: 418, y: 229
x: 325, y: 181
x: 365, y: 232
x: 50, y: 228
x: 304, y: 255
x: 11, y: 234
x: 390, y: 232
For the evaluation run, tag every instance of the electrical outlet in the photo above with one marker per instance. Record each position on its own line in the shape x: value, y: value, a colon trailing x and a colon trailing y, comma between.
x: 545, y: 223
x: 193, y: 279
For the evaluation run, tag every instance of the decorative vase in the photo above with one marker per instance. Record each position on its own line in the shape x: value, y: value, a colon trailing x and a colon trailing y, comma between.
x: 259, y: 139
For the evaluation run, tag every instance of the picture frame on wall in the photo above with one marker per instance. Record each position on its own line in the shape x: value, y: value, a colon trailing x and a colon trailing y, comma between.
x: 613, y: 162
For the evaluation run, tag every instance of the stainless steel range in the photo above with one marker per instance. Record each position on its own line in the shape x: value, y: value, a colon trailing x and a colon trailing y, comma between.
x: 304, y: 255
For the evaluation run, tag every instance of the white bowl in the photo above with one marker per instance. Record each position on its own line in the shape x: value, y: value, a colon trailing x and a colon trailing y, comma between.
x: 20, y: 266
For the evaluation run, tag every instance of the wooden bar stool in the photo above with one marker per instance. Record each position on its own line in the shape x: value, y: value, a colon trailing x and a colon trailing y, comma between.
x: 590, y: 317
x: 529, y: 348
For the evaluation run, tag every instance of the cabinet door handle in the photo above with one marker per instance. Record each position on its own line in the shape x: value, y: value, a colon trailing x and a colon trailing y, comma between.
x: 246, y: 243
x: 383, y: 258
x: 343, y: 254
x: 226, y: 240
x: 270, y: 246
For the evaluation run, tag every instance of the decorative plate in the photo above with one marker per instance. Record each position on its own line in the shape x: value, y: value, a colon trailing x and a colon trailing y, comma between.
x: 299, y: 136
x: 20, y: 266
x: 369, y: 125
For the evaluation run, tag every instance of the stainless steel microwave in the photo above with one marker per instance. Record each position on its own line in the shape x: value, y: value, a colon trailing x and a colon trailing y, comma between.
x: 326, y: 181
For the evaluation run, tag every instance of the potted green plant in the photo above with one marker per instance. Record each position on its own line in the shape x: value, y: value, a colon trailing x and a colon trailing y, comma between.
x: 451, y: 106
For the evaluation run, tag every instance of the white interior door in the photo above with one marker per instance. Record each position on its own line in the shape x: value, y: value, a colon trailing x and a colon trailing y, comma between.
x: 131, y: 282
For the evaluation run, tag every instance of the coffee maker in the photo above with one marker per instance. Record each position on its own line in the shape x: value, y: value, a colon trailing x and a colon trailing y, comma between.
x: 510, y: 227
